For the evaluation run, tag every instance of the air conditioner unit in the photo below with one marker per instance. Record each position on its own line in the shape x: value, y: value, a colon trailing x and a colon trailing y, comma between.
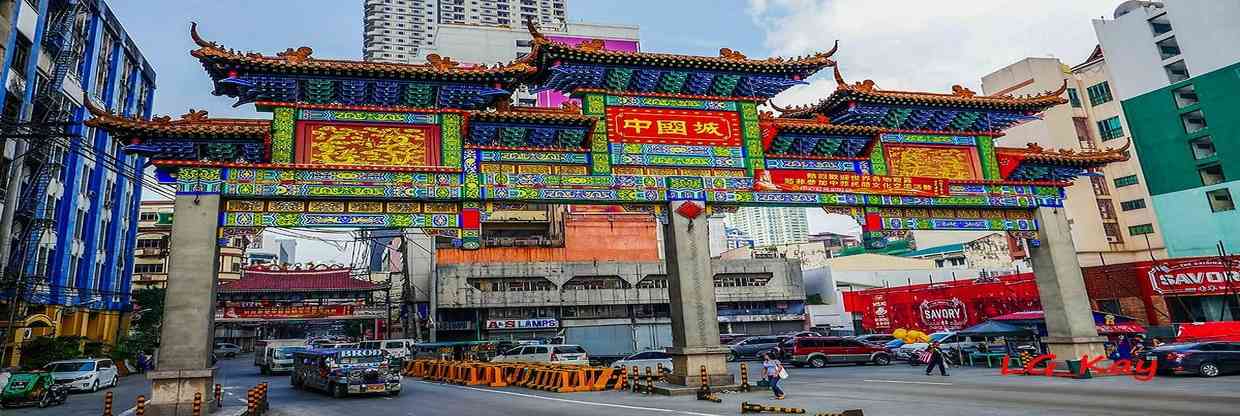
x: 1112, y: 239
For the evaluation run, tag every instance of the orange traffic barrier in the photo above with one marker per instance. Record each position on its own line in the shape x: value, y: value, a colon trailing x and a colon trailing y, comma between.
x: 107, y: 404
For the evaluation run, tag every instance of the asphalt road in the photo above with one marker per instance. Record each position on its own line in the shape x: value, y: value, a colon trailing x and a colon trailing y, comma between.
x: 891, y: 390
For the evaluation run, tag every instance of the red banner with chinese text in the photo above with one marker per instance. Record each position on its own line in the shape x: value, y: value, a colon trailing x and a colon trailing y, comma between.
x: 827, y: 182
x: 360, y: 144
x: 278, y: 312
x: 662, y: 126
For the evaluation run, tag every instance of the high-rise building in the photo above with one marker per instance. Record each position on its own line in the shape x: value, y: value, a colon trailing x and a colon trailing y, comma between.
x: 78, y: 277
x: 399, y: 30
x: 771, y: 226
x: 1109, y: 212
x: 1176, y: 70
x: 151, y: 252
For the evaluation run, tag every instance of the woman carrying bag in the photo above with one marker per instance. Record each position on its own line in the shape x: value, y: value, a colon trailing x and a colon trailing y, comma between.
x: 774, y: 372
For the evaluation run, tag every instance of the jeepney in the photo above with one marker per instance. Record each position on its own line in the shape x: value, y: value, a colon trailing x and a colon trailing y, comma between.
x: 342, y: 372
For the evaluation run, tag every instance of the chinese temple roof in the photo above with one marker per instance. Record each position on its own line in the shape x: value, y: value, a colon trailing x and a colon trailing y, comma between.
x: 568, y: 115
x: 192, y: 124
x: 546, y: 51
x: 1033, y: 153
x: 219, y: 62
x: 275, y: 279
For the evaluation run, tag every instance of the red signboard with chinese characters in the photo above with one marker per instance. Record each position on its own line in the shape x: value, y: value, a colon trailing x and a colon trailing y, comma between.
x: 810, y: 181
x: 663, y: 126
x: 1195, y: 277
x: 279, y: 312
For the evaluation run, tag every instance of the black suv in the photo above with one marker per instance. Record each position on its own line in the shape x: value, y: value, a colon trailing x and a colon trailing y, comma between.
x: 1207, y: 359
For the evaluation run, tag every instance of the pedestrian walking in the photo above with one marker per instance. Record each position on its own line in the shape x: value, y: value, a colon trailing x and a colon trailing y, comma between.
x: 936, y: 358
x: 1123, y: 348
x: 1156, y: 342
x: 774, y: 370
x: 1138, y: 348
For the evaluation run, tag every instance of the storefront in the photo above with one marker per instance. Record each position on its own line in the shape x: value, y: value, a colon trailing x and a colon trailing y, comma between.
x: 1165, y: 292
x: 943, y: 306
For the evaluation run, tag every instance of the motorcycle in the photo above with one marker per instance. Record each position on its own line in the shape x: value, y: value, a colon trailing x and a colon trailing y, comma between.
x: 36, y: 387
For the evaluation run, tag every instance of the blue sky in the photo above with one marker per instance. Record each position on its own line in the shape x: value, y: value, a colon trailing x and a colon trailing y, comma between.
x: 901, y: 44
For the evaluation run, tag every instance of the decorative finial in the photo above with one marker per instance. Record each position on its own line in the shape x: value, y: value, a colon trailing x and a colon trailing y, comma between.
x: 730, y: 54
x: 301, y: 54
x: 194, y: 115
x: 961, y: 91
x: 193, y: 34
x: 441, y: 62
x: 592, y: 45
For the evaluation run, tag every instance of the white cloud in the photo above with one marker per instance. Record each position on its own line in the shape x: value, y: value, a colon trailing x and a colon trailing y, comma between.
x: 924, y: 45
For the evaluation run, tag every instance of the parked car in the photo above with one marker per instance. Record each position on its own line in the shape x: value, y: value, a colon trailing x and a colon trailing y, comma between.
x: 1207, y: 359
x: 552, y: 353
x: 36, y: 387
x: 227, y: 350
x: 726, y: 339
x: 817, y: 352
x: 645, y: 359
x: 756, y: 346
x: 800, y: 334
x: 86, y: 374
x: 879, y: 339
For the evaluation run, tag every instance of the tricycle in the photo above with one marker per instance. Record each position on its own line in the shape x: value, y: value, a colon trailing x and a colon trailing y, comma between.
x: 35, y: 387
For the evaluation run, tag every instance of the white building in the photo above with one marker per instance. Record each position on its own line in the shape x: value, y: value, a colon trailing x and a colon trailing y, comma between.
x: 772, y: 226
x: 397, y: 30
x: 1102, y: 208
x: 1150, y: 45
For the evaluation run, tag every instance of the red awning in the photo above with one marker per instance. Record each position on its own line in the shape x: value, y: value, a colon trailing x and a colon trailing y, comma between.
x: 1121, y: 329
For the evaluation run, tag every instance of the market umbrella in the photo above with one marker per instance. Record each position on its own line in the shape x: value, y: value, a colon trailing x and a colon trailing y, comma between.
x: 994, y: 329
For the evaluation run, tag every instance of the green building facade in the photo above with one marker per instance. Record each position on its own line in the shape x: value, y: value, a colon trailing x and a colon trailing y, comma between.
x: 1188, y: 136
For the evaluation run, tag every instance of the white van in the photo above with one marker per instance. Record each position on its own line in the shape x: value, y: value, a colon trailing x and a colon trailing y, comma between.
x: 276, y: 355
x: 552, y: 354
x: 396, y: 348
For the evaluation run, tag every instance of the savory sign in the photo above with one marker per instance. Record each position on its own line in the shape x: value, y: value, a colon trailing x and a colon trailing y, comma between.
x: 943, y: 314
x: 1203, y: 276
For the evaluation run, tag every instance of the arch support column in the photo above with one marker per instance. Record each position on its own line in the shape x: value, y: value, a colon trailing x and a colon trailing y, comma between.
x: 690, y: 284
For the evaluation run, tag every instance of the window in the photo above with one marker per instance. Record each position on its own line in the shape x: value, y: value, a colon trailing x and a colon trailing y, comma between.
x: 103, y: 65
x: 1160, y: 25
x: 1123, y: 181
x: 1185, y: 96
x: 1203, y: 147
x: 1220, y: 200
x: 1110, y: 306
x: 1193, y: 121
x: 1100, y: 185
x: 1112, y: 232
x: 1204, y: 308
x: 1141, y: 229
x: 1176, y: 71
x: 1110, y: 129
x: 150, y: 243
x: 1099, y: 93
x: 148, y: 268
x: 1074, y: 98
x: 1132, y: 205
x: 148, y: 216
x: 1212, y: 174
x: 21, y: 55
x: 1106, y: 209
x: 1168, y: 48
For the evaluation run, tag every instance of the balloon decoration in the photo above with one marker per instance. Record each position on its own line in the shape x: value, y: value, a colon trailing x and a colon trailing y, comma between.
x: 899, y: 333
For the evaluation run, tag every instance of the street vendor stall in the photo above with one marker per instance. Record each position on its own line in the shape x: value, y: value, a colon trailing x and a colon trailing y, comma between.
x: 1108, y: 324
x: 1009, y: 333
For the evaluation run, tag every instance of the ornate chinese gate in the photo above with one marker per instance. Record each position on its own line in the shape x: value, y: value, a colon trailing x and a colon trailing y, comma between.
x: 361, y: 144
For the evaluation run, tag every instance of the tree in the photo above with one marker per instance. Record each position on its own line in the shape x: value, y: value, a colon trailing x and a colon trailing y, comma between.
x: 42, y: 350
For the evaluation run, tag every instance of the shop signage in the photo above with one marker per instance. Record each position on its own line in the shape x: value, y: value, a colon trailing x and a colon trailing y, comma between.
x: 1206, y: 276
x: 522, y: 323
x: 943, y: 314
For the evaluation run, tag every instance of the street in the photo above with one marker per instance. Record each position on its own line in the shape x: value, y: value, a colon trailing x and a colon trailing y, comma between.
x: 890, y: 390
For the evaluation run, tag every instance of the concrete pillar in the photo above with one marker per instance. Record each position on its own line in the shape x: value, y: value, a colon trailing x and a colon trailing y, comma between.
x: 690, y: 283
x: 187, y: 334
x: 1071, y: 332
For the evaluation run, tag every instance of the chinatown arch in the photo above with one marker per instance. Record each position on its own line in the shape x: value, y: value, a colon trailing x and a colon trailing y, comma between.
x: 434, y: 146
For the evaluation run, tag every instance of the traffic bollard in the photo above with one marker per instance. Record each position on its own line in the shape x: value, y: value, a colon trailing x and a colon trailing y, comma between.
x: 107, y: 404
x: 649, y: 382
x: 196, y: 410
x: 139, y: 408
x: 747, y: 407
x: 251, y: 404
x: 637, y: 377
x: 660, y: 371
x: 745, y: 377
x: 219, y: 396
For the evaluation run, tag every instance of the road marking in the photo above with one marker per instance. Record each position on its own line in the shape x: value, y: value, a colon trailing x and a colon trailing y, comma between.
x: 909, y: 382
x: 618, y: 406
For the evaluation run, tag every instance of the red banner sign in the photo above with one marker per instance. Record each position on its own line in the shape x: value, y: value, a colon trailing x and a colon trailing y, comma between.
x: 828, y: 182
x: 943, y: 306
x: 1198, y: 277
x: 687, y: 127
x: 283, y: 312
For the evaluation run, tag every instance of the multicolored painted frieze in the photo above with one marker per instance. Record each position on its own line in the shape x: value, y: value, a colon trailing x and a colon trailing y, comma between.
x: 364, y: 144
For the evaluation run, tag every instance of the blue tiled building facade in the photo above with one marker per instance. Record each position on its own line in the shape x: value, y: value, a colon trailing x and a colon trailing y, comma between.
x: 86, y: 259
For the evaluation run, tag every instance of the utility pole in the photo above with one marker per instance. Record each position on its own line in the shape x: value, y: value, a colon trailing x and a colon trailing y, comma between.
x: 407, y: 296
